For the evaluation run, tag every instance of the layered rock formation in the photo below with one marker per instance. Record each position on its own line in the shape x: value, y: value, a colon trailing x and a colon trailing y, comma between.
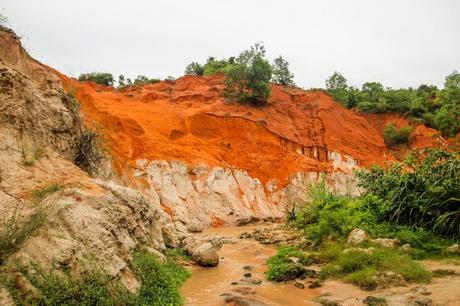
x: 84, y: 217
x: 212, y: 161
x: 181, y: 157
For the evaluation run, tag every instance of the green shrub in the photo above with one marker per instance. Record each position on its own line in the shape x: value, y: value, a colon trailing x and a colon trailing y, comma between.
x: 160, y: 282
x: 15, y: 230
x: 422, y: 191
x: 194, y: 68
x: 101, y: 78
x: 364, y: 278
x: 362, y: 267
x: 394, y: 136
x: 281, y: 267
x: 88, y: 288
x: 142, y: 80
x: 160, y: 285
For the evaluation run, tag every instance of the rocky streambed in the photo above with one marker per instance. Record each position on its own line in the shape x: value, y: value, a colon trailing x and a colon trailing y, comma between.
x: 239, y: 278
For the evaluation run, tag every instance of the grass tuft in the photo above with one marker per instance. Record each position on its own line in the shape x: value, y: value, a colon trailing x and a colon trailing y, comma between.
x: 39, y: 195
x: 14, y: 231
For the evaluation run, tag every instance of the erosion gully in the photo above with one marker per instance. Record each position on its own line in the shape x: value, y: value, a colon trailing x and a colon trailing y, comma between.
x: 210, y: 286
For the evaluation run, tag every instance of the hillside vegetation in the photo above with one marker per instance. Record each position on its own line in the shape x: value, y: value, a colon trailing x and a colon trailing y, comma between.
x: 414, y: 204
x: 438, y: 108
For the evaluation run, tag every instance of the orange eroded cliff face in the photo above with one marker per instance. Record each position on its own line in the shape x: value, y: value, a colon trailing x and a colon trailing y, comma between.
x: 190, y: 121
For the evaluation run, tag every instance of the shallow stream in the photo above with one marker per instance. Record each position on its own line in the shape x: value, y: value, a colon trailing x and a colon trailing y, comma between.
x: 210, y: 286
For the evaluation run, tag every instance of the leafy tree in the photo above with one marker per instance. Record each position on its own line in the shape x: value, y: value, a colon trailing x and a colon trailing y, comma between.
x: 121, y: 81
x: 281, y: 73
x: 249, y: 77
x: 447, y: 119
x: 337, y: 87
x: 194, y: 68
x: 102, y: 78
x: 373, y: 89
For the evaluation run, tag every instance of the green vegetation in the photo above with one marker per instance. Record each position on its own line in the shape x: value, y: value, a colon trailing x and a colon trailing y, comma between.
x: 288, y: 264
x: 40, y: 195
x: 424, y: 191
x: 142, y: 80
x: 394, y: 136
x: 160, y: 285
x: 194, y: 68
x: 248, y: 75
x: 15, y: 230
x: 101, y: 78
x: 416, y: 201
x: 160, y: 282
x: 281, y: 73
x: 123, y: 82
x: 249, y: 78
x: 361, y: 267
x: 438, y: 108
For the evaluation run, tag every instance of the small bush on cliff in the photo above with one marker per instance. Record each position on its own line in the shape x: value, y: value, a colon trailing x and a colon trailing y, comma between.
x: 142, y: 79
x: 101, y: 78
x: 194, y: 68
x: 89, y: 154
x: 394, y: 136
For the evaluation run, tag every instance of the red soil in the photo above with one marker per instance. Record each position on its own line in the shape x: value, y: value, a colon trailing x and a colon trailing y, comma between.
x: 189, y: 120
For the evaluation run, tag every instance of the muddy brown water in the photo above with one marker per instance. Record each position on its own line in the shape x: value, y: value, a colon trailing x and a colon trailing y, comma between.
x: 206, y: 285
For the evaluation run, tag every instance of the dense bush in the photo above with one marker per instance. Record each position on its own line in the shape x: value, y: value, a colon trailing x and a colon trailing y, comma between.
x: 160, y: 281
x: 416, y: 201
x: 101, y: 78
x: 394, y: 136
x: 422, y: 191
x: 194, y: 68
x: 142, y: 79
x: 437, y: 108
x: 281, y: 267
x: 160, y: 285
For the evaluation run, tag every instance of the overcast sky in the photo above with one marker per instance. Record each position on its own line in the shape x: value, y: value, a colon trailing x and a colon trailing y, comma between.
x: 397, y: 42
